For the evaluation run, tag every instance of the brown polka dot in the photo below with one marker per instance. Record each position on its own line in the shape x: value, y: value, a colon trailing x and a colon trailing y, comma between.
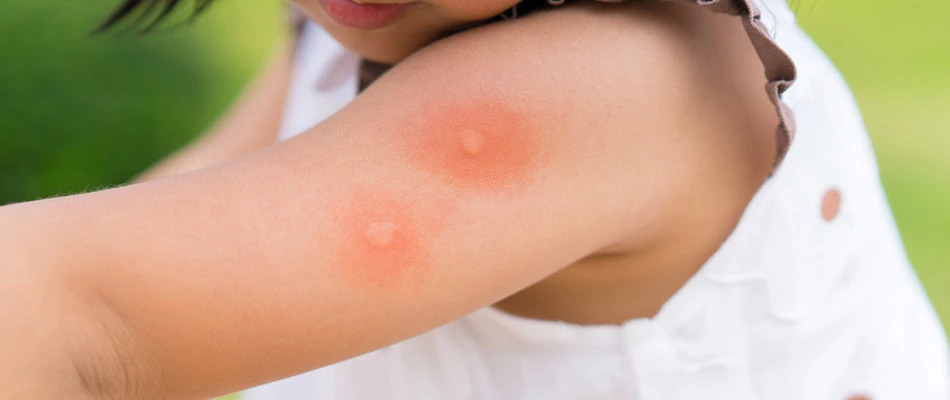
x: 831, y: 204
x: 859, y: 397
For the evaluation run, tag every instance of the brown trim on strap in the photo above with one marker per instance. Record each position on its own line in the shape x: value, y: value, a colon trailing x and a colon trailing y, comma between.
x: 780, y: 71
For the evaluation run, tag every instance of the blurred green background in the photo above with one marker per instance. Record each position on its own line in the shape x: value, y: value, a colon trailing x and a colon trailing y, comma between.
x: 79, y: 113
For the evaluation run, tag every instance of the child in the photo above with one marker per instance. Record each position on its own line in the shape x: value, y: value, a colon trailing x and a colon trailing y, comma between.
x: 537, y: 201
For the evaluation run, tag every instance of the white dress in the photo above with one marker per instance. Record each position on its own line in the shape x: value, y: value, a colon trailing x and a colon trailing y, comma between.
x: 791, y: 307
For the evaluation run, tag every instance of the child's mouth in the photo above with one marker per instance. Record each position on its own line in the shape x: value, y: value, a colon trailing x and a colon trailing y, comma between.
x: 366, y: 15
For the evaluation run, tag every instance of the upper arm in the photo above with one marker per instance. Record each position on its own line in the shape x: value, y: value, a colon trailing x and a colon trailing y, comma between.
x: 471, y: 170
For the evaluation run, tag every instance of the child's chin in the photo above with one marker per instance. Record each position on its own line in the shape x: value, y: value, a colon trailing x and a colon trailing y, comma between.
x: 388, y: 45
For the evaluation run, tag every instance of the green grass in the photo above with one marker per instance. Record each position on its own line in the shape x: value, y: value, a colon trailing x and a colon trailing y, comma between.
x: 79, y: 113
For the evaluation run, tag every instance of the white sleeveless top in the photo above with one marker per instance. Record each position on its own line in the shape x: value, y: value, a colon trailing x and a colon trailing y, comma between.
x: 791, y: 307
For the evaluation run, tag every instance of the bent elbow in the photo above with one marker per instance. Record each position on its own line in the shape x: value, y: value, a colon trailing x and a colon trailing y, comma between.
x: 58, y: 339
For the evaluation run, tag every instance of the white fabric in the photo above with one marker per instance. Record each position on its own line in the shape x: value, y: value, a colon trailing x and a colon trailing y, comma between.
x: 791, y: 307
x: 325, y: 80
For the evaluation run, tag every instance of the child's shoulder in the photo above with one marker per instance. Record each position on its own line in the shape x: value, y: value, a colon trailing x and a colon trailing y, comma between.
x: 654, y: 114
x: 626, y: 128
x: 677, y: 87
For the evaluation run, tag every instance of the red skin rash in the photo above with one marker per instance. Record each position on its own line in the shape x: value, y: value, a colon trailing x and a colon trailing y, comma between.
x: 480, y: 143
x: 381, y: 240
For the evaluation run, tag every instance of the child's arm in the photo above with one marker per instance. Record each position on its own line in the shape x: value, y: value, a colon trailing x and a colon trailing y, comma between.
x: 250, y: 124
x: 473, y: 169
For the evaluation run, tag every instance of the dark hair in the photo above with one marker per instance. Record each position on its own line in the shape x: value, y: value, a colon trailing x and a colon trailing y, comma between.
x: 150, y: 13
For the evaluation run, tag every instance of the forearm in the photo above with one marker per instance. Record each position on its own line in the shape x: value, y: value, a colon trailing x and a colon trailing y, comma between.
x: 59, y: 336
x: 159, y: 266
x: 111, y: 276
x: 217, y: 288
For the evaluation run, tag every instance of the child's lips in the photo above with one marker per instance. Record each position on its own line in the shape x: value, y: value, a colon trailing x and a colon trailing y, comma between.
x: 366, y: 15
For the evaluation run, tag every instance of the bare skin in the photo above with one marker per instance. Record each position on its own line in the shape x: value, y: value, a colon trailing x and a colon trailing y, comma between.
x: 621, y: 178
